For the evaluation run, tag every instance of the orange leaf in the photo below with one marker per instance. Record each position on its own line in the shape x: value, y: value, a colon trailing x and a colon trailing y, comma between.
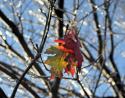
x: 62, y: 48
x: 72, y: 71
x: 60, y: 41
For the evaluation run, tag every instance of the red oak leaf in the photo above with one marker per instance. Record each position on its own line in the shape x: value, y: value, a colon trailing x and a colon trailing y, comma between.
x: 72, y: 42
x: 70, y: 69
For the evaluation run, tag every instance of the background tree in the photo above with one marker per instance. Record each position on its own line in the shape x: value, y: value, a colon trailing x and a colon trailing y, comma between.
x: 29, y: 27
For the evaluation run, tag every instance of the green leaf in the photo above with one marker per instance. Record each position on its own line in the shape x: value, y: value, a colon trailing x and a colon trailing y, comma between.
x: 57, y: 62
x: 52, y: 50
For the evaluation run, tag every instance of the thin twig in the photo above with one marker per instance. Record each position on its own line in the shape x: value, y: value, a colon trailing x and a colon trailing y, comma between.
x: 38, y: 54
x: 77, y: 77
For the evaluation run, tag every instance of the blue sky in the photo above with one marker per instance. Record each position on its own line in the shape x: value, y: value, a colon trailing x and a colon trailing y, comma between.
x: 87, y: 32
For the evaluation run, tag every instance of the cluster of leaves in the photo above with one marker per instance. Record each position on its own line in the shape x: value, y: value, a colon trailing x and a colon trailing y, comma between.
x: 66, y: 56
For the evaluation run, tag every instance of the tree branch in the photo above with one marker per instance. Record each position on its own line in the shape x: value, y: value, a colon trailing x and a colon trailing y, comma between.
x: 39, y: 51
x: 2, y: 94
x: 25, y: 83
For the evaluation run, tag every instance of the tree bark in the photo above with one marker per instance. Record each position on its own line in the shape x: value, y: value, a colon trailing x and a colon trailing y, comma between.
x: 59, y: 13
x: 2, y: 94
